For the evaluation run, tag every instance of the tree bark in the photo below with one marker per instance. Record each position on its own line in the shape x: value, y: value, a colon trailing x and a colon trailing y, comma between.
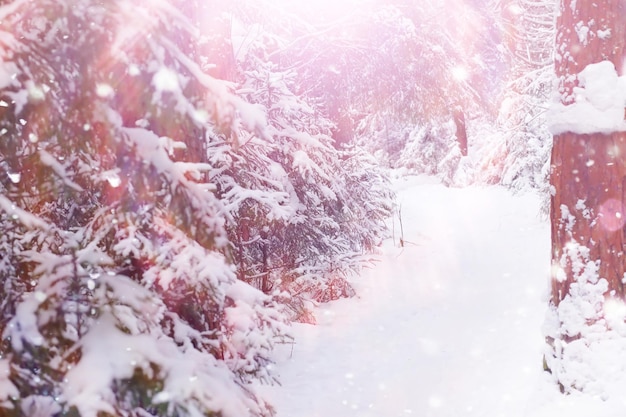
x: 588, y: 176
x: 461, y: 132
x: 588, y: 179
x: 587, y: 171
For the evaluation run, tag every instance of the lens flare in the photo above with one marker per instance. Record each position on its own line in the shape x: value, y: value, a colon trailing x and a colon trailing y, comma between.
x: 460, y: 73
x: 611, y: 215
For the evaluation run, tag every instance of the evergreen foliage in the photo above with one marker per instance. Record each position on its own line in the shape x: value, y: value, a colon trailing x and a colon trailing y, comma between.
x: 179, y: 180
x: 521, y: 160
x: 308, y: 223
x: 152, y: 220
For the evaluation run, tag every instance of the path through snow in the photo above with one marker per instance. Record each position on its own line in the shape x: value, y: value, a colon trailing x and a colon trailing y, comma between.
x: 449, y: 325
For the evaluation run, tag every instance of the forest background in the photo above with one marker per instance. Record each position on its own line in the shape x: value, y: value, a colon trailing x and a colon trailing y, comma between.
x: 181, y: 180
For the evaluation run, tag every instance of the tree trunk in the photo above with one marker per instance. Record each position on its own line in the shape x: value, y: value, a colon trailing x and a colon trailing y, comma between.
x: 588, y: 176
x: 461, y: 132
x: 587, y: 171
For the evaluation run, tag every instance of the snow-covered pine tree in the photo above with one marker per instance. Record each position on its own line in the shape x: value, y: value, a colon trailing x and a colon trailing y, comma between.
x: 117, y: 296
x: 296, y: 232
x: 521, y: 158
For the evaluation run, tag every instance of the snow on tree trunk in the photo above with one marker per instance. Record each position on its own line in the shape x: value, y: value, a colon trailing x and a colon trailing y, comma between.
x: 587, y: 208
x: 585, y: 327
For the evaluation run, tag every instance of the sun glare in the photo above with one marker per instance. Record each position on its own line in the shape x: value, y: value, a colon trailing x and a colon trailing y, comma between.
x: 460, y: 73
x: 323, y: 11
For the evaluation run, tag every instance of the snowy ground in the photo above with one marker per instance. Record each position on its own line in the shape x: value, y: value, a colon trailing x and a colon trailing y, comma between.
x: 449, y: 325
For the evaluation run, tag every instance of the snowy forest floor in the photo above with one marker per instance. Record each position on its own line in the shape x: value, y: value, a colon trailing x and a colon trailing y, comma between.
x: 449, y: 325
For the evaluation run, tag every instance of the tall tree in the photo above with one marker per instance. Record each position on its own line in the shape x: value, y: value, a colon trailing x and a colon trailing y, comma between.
x: 589, y: 193
x: 297, y: 215
x: 521, y: 159
x: 117, y: 295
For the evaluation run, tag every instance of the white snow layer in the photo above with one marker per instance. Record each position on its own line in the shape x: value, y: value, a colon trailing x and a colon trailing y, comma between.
x: 450, y: 325
x: 598, y: 106
x: 7, y: 389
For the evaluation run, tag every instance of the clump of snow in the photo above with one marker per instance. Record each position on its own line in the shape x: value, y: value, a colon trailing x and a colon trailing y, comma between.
x: 587, y: 331
x: 25, y: 217
x: 583, y: 304
x: 133, y: 70
x: 583, y: 33
x: 23, y: 327
x: 567, y: 218
x: 15, y: 177
x: 165, y: 80
x: 118, y: 345
x: 598, y: 105
x: 58, y: 168
x: 112, y: 178
x: 604, y: 34
x: 7, y: 389
x: 36, y: 92
x: 581, y: 206
x: 115, y: 355
x: 8, y: 72
x: 104, y: 90
x: 40, y: 406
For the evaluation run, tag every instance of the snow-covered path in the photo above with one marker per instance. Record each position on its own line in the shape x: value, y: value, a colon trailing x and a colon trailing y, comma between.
x: 449, y: 325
